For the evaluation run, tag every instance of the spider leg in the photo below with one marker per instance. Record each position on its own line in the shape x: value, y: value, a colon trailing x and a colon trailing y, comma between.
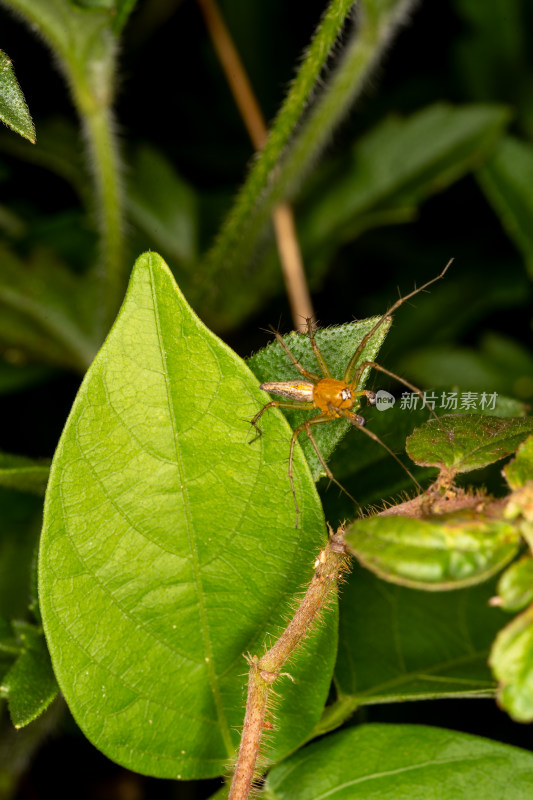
x: 276, y: 404
x: 306, y: 426
x: 355, y: 420
x: 318, y: 355
x: 352, y: 366
x: 412, y: 387
x: 302, y: 370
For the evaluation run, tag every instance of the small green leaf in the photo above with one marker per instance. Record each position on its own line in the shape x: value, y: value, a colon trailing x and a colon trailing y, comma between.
x: 24, y: 474
x: 169, y: 546
x: 409, y: 646
x: 512, y: 662
x: 520, y: 470
x: 448, y: 551
x: 21, y: 520
x: 507, y: 179
x: 403, y: 762
x: 515, y: 587
x: 13, y: 109
x: 464, y: 442
x: 337, y: 344
x: 30, y: 685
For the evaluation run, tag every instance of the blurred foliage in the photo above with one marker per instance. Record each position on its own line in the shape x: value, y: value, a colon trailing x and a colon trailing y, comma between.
x: 435, y: 161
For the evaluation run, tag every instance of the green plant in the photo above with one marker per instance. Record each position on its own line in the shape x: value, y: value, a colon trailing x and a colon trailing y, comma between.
x: 168, y: 552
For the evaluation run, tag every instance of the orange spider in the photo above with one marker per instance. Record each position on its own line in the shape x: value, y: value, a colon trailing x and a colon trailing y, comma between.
x: 333, y: 398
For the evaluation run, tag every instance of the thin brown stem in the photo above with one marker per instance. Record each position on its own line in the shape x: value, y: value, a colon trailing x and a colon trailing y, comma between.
x: 283, y: 218
x: 331, y: 562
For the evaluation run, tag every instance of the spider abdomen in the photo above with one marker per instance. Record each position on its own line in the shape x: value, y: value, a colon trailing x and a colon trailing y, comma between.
x: 294, y: 390
x: 331, y: 392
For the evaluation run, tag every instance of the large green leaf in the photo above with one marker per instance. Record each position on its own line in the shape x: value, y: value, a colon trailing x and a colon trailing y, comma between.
x: 169, y: 547
x: 337, y: 345
x: 397, y: 644
x: 13, y: 109
x: 403, y: 762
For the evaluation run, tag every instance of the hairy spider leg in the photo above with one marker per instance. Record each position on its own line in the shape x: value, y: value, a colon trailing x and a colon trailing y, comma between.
x: 303, y: 406
x: 318, y: 355
x: 410, y: 386
x: 305, y: 372
x: 355, y: 420
x: 306, y: 426
x: 352, y: 366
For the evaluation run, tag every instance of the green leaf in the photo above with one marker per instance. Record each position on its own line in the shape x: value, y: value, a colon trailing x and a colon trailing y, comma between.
x: 402, y: 762
x: 464, y: 442
x: 46, y: 312
x: 169, y: 547
x: 337, y: 345
x: 21, y: 520
x: 515, y: 587
x: 163, y: 205
x: 448, y: 551
x: 13, y: 109
x: 30, y: 685
x: 24, y: 474
x: 402, y: 161
x: 507, y: 180
x: 412, y: 646
x: 520, y: 470
x: 512, y: 662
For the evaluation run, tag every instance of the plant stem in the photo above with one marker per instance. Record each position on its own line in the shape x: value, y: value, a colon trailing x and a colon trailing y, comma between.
x: 282, y: 216
x: 331, y: 562
x: 233, y: 237
x: 286, y: 157
x: 86, y: 49
x: 103, y: 155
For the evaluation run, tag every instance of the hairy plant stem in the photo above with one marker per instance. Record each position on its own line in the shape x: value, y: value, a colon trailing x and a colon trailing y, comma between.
x: 282, y: 216
x: 105, y: 162
x: 264, y: 671
x: 86, y: 49
x: 292, y: 154
x: 234, y: 231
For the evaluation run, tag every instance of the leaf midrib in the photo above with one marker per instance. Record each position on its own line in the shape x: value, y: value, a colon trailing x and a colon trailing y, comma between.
x: 224, y: 728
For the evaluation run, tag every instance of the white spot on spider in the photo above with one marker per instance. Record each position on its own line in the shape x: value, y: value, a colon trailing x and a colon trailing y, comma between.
x: 346, y: 394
